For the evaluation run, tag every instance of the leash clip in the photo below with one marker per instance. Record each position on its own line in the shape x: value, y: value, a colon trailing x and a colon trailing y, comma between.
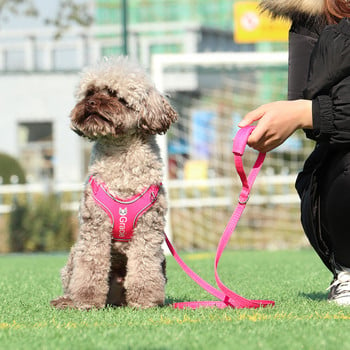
x: 245, y: 201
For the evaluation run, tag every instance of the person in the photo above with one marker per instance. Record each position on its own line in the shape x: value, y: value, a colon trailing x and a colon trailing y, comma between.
x: 318, y: 102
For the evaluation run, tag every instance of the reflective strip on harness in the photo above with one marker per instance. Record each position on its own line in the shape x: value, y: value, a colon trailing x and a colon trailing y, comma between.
x: 124, y: 213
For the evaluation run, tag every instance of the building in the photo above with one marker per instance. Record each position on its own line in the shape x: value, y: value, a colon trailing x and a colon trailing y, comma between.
x: 38, y: 75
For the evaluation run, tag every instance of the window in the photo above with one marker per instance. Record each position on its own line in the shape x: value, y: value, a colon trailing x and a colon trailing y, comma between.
x: 36, y: 150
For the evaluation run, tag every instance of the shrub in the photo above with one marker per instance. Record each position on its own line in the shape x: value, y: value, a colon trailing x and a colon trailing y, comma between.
x: 40, y: 226
x: 9, y: 166
x: 17, y: 235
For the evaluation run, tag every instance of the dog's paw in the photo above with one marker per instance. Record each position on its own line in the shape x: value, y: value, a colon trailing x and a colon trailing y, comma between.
x: 66, y: 302
x: 146, y: 301
x: 88, y: 298
x: 63, y: 302
x: 145, y: 305
x: 138, y: 296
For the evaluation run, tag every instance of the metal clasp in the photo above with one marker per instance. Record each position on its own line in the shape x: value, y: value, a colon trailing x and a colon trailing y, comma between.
x: 243, y: 202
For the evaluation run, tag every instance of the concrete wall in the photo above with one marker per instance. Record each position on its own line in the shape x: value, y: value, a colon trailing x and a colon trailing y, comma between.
x: 44, y: 97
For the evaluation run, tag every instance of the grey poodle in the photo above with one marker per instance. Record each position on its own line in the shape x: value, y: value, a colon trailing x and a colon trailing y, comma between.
x: 118, y: 257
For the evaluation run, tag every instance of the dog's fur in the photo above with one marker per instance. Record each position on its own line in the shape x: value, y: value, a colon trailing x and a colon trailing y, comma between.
x: 293, y: 8
x: 121, y: 111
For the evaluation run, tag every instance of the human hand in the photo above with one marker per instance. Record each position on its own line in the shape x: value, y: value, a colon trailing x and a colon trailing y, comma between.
x: 276, y: 122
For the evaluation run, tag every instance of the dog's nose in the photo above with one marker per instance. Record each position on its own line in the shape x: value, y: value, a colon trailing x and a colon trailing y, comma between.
x: 92, y: 103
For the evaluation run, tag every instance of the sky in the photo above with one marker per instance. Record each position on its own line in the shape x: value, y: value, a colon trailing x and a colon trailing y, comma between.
x: 47, y: 8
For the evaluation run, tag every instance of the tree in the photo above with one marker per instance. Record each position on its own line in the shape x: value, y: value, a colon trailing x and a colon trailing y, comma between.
x: 69, y: 12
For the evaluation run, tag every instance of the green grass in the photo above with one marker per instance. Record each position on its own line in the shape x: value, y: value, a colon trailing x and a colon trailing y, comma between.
x: 296, y: 280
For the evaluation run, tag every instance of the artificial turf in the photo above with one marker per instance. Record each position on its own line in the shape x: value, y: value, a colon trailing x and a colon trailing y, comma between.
x: 296, y: 280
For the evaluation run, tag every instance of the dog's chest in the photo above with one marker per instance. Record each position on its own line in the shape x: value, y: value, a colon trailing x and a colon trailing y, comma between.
x: 127, y: 171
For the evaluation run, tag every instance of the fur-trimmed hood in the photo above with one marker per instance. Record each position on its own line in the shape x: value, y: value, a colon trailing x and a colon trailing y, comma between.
x: 293, y: 8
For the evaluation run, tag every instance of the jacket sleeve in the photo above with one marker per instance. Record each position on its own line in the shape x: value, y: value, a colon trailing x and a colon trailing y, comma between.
x: 331, y: 114
x: 328, y: 85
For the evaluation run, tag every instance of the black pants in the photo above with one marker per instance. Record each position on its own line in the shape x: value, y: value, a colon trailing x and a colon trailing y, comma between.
x: 334, y: 189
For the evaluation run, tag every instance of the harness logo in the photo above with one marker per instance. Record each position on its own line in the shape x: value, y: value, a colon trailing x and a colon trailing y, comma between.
x: 122, y: 221
x: 123, y: 211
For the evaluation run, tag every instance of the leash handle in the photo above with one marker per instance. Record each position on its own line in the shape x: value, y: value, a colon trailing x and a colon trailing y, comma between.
x: 239, y: 145
x: 227, y: 298
x: 240, y: 141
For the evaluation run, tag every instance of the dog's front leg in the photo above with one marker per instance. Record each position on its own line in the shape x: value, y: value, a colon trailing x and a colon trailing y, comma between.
x: 145, y: 280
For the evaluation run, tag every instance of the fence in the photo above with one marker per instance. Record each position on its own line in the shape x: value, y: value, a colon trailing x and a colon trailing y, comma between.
x: 218, y: 89
x: 200, y: 209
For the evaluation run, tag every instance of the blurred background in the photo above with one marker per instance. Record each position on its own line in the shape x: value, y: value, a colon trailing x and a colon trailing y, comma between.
x: 216, y: 60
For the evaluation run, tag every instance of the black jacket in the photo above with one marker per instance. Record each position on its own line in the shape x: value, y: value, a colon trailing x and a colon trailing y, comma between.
x: 319, y: 70
x: 319, y: 66
x: 328, y: 85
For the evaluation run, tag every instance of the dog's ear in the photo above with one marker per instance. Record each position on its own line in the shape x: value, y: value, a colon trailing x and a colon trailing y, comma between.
x: 156, y: 114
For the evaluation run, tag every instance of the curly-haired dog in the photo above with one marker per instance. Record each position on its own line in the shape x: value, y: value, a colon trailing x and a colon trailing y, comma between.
x: 118, y: 257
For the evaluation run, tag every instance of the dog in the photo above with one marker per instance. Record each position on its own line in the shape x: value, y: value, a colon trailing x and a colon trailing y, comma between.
x: 118, y: 260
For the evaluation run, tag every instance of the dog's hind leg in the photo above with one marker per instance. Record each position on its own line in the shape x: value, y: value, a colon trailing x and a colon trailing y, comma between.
x: 89, y: 265
x: 66, y: 272
x: 88, y: 286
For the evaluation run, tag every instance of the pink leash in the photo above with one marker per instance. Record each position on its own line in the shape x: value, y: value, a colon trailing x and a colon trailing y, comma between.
x: 227, y: 298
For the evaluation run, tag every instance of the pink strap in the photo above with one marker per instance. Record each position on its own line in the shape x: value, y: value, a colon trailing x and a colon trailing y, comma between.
x: 227, y: 298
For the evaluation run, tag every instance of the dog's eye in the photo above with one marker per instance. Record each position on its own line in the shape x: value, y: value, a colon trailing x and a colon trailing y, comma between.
x: 123, y: 101
x: 90, y: 92
x: 111, y: 92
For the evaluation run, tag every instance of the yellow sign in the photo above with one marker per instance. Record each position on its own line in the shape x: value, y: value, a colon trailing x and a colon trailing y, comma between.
x: 252, y: 26
x: 196, y: 169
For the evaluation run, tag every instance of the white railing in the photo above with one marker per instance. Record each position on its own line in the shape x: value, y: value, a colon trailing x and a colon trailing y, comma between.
x: 269, y: 196
x: 14, y: 190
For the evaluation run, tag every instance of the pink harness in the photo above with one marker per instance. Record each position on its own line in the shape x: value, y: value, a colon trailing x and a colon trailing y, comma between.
x: 124, y: 213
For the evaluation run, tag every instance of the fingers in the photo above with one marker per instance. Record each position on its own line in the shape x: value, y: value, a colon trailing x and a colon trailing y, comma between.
x: 251, y: 117
x: 256, y: 140
x: 272, y: 128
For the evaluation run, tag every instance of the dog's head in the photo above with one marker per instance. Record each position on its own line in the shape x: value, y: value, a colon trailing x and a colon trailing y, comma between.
x: 116, y: 97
